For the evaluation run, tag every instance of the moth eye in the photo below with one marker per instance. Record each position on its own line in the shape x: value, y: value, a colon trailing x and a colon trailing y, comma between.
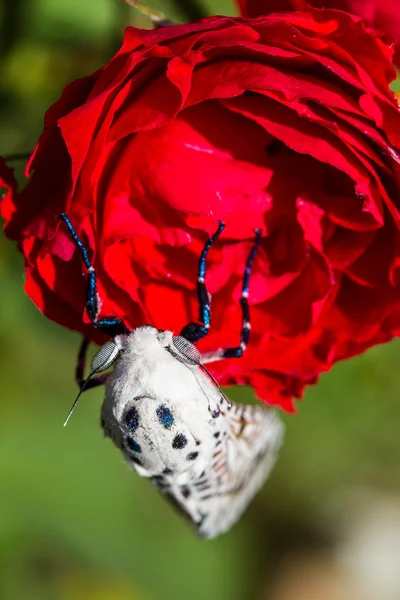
x: 186, y: 350
x: 132, y: 419
x: 105, y: 357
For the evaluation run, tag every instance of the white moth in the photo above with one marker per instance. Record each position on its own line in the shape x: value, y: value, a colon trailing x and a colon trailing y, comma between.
x: 172, y: 422
x: 159, y: 411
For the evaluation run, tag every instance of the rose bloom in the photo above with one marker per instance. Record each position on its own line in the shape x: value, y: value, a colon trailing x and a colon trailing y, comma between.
x: 284, y: 123
x: 381, y: 14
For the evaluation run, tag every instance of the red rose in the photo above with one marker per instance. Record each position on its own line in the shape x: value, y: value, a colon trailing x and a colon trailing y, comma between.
x: 381, y: 14
x: 285, y: 123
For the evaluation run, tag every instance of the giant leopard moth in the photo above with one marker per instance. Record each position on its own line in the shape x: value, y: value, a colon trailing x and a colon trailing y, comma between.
x: 167, y: 414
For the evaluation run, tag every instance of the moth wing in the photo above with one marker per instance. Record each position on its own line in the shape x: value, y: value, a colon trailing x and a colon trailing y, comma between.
x: 241, y: 464
x: 245, y: 450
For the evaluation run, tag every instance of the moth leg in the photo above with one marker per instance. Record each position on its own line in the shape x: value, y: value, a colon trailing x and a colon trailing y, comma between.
x: 194, y: 332
x: 109, y: 325
x: 237, y: 351
x: 80, y: 369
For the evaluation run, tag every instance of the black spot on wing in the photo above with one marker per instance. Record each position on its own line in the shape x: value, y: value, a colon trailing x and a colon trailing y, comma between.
x: 192, y: 456
x: 132, y: 419
x: 165, y: 416
x: 133, y: 445
x: 185, y: 491
x: 179, y: 441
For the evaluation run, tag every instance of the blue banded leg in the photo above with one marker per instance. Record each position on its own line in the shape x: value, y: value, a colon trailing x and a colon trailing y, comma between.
x: 80, y: 369
x: 110, y: 325
x: 194, y: 332
x: 238, y: 351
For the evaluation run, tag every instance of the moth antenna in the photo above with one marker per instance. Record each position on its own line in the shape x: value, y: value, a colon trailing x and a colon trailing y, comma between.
x: 79, y: 395
x: 216, y: 383
x: 201, y: 388
x: 199, y: 364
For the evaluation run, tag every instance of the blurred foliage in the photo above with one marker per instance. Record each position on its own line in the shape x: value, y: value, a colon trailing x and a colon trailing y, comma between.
x: 75, y: 523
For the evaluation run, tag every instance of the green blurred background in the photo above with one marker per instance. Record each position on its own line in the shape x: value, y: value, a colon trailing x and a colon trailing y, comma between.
x: 75, y: 523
